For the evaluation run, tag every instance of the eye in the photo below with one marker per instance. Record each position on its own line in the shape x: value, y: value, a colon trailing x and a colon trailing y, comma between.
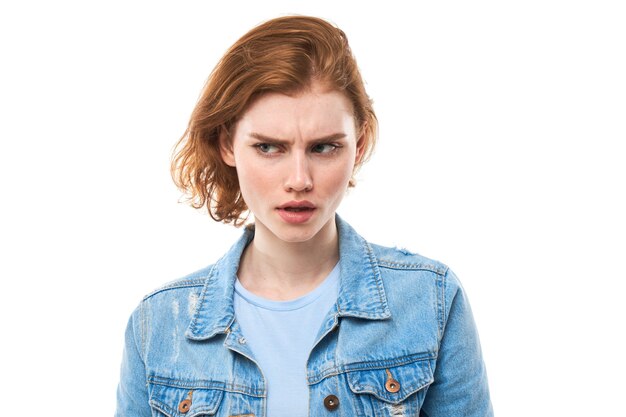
x: 324, y: 148
x: 266, y: 148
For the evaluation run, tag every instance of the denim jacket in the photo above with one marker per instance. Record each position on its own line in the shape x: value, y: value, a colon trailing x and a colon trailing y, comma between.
x: 400, y: 341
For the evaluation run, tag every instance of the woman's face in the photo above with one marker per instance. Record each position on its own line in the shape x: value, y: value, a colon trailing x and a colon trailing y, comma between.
x: 294, y: 156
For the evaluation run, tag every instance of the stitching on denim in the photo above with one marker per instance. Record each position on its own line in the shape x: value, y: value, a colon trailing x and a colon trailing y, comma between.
x: 206, y: 385
x: 430, y: 369
x: 388, y: 363
x: 178, y: 285
x: 201, y: 299
x: 335, y: 352
x: 438, y: 307
x: 441, y: 293
x: 161, y: 407
x: 412, y: 266
x: 376, y: 391
x: 164, y: 408
x: 144, y: 334
x: 367, y: 366
x: 144, y: 331
x: 377, y: 277
x: 196, y: 385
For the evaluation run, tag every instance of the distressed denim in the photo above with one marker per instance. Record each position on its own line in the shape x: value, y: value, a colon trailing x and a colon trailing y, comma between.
x: 400, y: 341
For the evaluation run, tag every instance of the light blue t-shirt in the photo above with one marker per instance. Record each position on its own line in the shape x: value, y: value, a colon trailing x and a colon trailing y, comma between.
x: 281, y: 335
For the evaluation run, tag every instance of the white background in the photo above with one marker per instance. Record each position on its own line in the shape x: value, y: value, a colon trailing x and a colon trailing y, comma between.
x: 500, y: 154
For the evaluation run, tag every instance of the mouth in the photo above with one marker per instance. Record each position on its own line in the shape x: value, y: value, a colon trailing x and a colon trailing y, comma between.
x: 296, y: 212
x: 297, y: 209
x: 297, y: 206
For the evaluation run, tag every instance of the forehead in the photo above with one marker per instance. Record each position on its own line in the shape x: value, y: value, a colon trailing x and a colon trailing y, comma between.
x: 314, y: 111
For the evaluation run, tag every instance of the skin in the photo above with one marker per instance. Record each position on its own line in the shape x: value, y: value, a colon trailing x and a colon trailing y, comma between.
x: 302, y: 147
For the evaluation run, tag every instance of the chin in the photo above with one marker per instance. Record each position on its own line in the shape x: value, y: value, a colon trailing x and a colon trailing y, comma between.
x: 297, y: 236
x: 293, y: 233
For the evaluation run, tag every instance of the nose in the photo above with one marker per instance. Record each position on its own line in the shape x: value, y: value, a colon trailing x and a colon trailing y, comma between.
x: 299, y: 175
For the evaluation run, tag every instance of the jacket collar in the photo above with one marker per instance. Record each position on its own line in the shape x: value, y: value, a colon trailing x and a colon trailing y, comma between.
x: 361, y: 292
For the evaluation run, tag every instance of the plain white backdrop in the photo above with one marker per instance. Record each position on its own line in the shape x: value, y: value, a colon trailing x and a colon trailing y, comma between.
x: 502, y: 127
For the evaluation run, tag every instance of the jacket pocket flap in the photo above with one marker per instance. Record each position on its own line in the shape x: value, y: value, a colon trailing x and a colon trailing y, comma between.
x: 169, y: 400
x: 393, y: 384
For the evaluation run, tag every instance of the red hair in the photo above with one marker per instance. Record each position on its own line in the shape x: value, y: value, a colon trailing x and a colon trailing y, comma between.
x: 282, y: 55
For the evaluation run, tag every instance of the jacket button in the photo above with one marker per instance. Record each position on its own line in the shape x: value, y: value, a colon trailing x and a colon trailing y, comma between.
x: 331, y: 402
x: 184, y: 406
x: 392, y: 385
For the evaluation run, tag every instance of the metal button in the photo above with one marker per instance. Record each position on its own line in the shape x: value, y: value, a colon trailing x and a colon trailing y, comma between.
x: 184, y: 406
x: 392, y: 385
x: 331, y: 402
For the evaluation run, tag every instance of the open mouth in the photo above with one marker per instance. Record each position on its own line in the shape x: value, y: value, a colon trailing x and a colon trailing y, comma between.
x: 297, y: 209
x: 297, y: 212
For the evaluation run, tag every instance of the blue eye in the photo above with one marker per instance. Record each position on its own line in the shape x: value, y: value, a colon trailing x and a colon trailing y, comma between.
x: 266, y: 148
x: 324, y: 148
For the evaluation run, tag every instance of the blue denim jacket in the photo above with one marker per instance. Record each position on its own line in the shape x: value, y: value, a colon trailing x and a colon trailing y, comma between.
x: 400, y: 341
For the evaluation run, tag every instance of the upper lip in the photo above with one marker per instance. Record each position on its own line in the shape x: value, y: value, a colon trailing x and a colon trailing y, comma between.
x: 297, y: 204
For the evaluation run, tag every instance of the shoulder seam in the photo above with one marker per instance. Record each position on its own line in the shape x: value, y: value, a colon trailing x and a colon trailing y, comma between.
x: 417, y: 266
x: 143, y: 332
x: 441, y: 307
x: 178, y: 285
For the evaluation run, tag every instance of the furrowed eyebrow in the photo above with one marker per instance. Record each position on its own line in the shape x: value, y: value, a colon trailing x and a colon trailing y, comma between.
x: 328, y: 138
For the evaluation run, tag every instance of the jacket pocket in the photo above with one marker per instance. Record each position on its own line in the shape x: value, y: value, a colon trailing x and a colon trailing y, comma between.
x: 392, y: 391
x: 183, y: 400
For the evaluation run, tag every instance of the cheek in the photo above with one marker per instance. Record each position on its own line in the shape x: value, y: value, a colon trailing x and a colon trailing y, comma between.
x: 335, y: 180
x: 254, y: 182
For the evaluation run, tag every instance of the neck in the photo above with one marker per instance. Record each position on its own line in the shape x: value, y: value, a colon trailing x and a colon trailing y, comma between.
x: 279, y: 270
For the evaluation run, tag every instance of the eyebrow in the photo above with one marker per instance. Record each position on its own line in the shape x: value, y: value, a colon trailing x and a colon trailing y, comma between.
x: 262, y: 137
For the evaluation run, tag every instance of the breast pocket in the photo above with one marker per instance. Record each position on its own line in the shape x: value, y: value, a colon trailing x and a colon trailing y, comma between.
x: 393, y: 391
x: 181, y: 401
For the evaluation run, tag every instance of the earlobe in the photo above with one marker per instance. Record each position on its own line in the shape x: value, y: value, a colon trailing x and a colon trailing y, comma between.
x: 226, y: 148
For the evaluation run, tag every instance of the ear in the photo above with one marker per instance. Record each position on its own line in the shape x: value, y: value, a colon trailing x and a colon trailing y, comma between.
x: 226, y: 147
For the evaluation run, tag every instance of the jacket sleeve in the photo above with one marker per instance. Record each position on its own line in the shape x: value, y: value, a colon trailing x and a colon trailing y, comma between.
x: 132, y: 393
x: 460, y: 382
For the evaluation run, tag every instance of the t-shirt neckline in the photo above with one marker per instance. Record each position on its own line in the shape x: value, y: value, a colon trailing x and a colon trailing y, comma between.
x: 331, y: 279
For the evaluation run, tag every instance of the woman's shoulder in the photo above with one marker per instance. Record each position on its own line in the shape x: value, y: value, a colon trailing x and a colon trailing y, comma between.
x: 402, y: 258
x: 394, y: 263
x: 398, y: 261
x: 186, y: 283
x: 171, y: 304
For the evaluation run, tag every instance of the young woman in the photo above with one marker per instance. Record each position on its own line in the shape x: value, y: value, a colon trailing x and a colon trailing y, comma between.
x: 302, y: 317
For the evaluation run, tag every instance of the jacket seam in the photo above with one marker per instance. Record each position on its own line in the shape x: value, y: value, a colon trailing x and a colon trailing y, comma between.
x: 368, y: 366
x: 374, y: 262
x: 143, y: 325
x: 203, y: 293
x: 144, y: 333
x: 411, y: 266
x: 208, y: 385
x: 177, y: 286
x: 442, y: 306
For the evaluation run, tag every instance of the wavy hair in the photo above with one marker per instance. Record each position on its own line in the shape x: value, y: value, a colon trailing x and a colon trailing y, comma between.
x: 282, y: 55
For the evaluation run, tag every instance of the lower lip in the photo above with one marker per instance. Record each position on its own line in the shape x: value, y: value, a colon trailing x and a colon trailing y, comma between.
x: 296, y: 217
